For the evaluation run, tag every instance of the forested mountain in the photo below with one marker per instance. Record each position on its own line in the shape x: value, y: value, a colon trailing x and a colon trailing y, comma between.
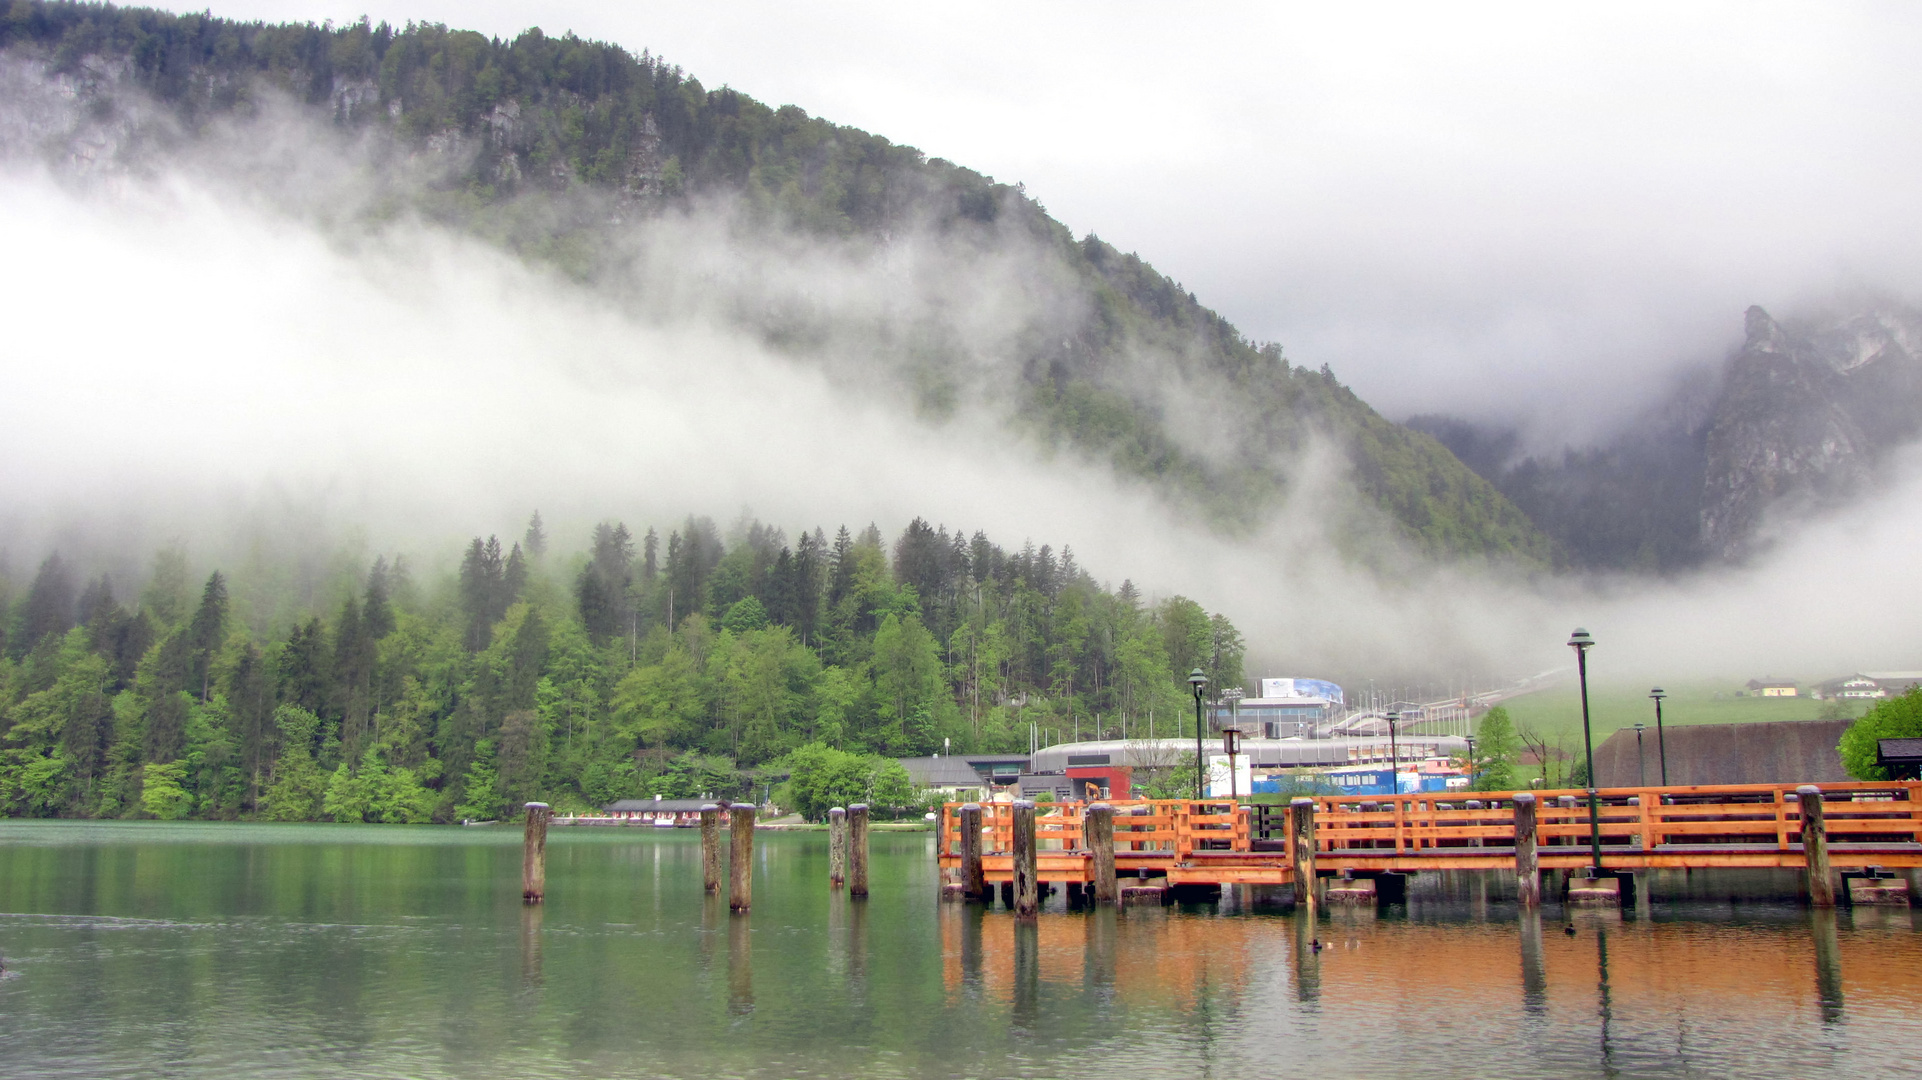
x: 839, y: 247
x: 646, y: 665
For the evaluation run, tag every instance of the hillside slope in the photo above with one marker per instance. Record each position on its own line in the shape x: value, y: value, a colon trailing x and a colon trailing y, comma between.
x: 585, y: 156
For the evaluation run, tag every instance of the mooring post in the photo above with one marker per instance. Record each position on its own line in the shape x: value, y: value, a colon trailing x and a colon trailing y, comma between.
x: 974, y: 877
x: 1301, y: 828
x: 1098, y: 826
x: 1528, y: 880
x: 1815, y: 846
x: 710, y: 848
x: 1027, y: 897
x: 858, y: 849
x: 534, y: 854
x: 837, y: 848
x: 740, y: 857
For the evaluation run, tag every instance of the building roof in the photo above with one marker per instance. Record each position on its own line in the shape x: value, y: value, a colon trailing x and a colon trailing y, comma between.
x: 938, y: 771
x: 679, y: 806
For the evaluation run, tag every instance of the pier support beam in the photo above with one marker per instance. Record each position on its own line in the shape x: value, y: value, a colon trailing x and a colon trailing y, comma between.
x: 534, y: 854
x: 974, y: 877
x: 1027, y: 897
x: 1301, y: 831
x: 858, y: 850
x: 1528, y: 879
x: 838, y: 848
x: 740, y: 857
x: 1098, y: 826
x: 1815, y: 845
x: 710, y: 848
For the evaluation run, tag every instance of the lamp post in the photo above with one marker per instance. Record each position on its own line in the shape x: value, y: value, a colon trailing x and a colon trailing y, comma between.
x: 1661, y: 744
x: 1197, y: 680
x: 1641, y: 762
x: 1230, y: 744
x: 1471, y: 762
x: 1581, y: 642
x: 1394, y: 754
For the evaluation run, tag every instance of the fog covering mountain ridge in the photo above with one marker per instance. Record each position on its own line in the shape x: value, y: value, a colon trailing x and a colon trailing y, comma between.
x: 826, y: 243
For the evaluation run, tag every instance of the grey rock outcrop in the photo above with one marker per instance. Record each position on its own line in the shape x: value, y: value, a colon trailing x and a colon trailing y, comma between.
x: 1806, y: 410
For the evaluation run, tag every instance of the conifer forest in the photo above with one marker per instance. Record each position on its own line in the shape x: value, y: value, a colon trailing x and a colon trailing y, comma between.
x: 690, y: 664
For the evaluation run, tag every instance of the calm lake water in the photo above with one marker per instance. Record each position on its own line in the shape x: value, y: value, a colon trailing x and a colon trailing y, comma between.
x: 219, y: 950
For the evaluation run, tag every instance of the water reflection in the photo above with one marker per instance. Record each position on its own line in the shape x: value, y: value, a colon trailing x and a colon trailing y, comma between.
x: 530, y: 946
x: 389, y: 956
x: 1534, y: 971
x: 1828, y: 963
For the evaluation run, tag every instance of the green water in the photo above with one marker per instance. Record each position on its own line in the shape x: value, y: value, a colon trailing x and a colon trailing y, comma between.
x: 310, y: 950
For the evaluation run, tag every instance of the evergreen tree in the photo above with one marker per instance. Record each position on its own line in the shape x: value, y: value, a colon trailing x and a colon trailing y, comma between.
x: 207, y: 631
x: 536, y: 539
x: 49, y: 608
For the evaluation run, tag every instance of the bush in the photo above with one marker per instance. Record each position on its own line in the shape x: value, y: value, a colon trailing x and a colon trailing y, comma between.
x: 1894, y: 718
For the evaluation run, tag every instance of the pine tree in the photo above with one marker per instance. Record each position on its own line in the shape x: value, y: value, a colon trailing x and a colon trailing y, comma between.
x: 206, y: 632
x: 50, y: 605
x: 536, y: 539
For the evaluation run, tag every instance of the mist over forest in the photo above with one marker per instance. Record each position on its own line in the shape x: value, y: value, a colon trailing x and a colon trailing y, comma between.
x: 305, y: 315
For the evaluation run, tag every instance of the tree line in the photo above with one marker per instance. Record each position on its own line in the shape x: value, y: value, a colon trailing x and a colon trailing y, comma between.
x: 681, y: 666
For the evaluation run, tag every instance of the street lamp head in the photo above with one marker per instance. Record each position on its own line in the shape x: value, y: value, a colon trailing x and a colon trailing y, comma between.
x: 1658, y: 693
x: 1579, y: 640
x: 1639, y: 728
x: 1197, y: 680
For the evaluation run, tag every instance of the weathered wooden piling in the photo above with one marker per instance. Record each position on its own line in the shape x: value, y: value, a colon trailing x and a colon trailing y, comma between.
x: 837, y: 848
x: 1815, y: 847
x: 740, y: 857
x: 1098, y: 827
x: 1528, y: 879
x: 710, y: 848
x: 974, y: 876
x: 1027, y: 897
x: 858, y: 849
x: 534, y: 854
x: 1301, y: 829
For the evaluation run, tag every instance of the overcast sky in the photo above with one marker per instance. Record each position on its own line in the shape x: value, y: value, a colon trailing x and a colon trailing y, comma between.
x: 1533, y: 211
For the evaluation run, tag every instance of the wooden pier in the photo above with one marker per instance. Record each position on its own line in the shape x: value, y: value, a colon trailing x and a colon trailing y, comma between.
x: 1214, y: 842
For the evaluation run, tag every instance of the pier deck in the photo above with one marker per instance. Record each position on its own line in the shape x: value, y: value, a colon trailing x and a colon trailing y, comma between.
x: 1219, y: 842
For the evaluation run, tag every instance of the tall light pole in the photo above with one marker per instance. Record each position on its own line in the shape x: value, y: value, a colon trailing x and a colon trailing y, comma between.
x: 1197, y: 680
x: 1471, y: 762
x: 1661, y: 744
x: 1581, y: 642
x: 1394, y: 754
x: 1641, y: 762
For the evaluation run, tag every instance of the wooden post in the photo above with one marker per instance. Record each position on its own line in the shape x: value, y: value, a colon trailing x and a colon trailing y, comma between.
x: 534, y: 854
x: 1301, y: 828
x: 858, y: 849
x: 1098, y: 827
x: 1027, y: 900
x: 710, y: 848
x: 974, y: 876
x: 1815, y: 846
x: 837, y: 848
x: 1528, y: 880
x: 740, y: 857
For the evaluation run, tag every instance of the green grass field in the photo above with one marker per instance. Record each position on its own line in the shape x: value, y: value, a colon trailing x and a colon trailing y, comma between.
x: 1557, y: 711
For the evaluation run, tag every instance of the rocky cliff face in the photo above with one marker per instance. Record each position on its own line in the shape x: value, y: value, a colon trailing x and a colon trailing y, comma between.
x: 1805, y: 412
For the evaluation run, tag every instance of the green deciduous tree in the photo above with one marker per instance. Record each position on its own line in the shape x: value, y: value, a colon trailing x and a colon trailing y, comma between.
x: 1892, y: 718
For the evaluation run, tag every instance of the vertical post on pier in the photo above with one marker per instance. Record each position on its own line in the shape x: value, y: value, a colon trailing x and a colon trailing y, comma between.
x: 858, y: 849
x: 837, y: 848
x: 1098, y: 826
x: 740, y: 857
x: 710, y: 848
x: 1528, y: 880
x: 1026, y: 887
x: 534, y: 854
x: 1301, y: 828
x: 1815, y: 846
x: 974, y: 877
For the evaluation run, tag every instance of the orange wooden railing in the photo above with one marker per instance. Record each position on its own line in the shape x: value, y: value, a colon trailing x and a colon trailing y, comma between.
x: 1720, y: 820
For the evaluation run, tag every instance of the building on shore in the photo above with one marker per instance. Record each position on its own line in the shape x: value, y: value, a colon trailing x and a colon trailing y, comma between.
x: 1770, y: 752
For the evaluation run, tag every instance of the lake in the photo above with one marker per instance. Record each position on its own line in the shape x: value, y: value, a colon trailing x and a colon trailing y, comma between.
x: 218, y: 950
